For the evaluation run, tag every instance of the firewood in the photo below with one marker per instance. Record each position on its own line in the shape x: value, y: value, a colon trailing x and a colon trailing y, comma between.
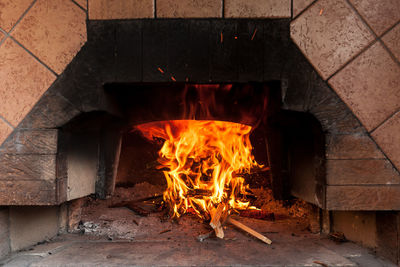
x: 216, y: 220
x: 126, y: 203
x: 258, y: 214
x: 137, y: 209
x: 249, y: 230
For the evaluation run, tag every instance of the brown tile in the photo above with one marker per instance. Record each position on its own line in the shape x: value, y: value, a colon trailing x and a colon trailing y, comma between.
x: 388, y: 138
x: 370, y: 86
x: 189, y: 8
x: 5, y: 131
x: 257, y: 8
x: 300, y: 5
x: 371, y: 197
x: 2, y: 35
x: 361, y: 171
x: 121, y: 9
x: 11, y: 11
x: 22, y: 81
x: 392, y: 40
x: 351, y: 146
x: 82, y: 3
x: 379, y: 14
x: 54, y: 31
x: 330, y: 34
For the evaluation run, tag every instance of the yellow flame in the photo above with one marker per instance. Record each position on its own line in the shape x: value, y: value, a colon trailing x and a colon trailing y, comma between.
x: 204, y: 160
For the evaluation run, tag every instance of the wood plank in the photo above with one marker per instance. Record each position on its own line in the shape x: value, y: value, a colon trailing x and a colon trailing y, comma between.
x: 377, y: 197
x: 352, y: 146
x: 27, y: 167
x: 27, y: 192
x: 364, y: 171
x: 31, y: 142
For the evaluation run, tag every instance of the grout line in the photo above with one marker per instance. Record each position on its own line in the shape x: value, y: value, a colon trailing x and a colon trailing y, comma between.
x: 41, y: 62
x: 22, y: 16
x: 2, y: 40
x: 223, y: 9
x: 7, y: 122
x: 362, y: 18
x: 81, y: 7
x: 352, y: 59
x: 389, y: 29
x: 379, y: 38
x: 388, y: 118
x: 155, y: 9
x: 389, y: 51
x: 305, y: 9
x: 291, y: 9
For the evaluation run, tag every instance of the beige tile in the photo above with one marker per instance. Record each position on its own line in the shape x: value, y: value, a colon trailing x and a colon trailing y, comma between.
x: 257, y: 8
x: 388, y: 138
x: 330, y: 34
x: 54, y: 31
x: 189, y: 8
x: 379, y: 14
x: 120, y: 9
x: 5, y: 131
x: 11, y: 11
x: 82, y: 3
x: 370, y: 86
x: 22, y: 81
x: 300, y: 5
x: 392, y: 40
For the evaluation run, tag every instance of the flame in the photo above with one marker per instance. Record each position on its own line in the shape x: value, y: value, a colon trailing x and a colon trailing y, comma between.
x: 203, y: 163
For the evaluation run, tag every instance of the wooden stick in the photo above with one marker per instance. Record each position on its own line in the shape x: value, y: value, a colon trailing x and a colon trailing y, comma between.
x: 216, y: 220
x: 249, y: 230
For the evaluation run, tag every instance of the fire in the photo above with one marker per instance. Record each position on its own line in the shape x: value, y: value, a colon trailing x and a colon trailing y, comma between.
x: 203, y: 163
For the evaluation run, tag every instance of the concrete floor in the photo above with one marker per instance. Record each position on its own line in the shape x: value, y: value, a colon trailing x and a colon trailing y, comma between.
x: 293, y: 245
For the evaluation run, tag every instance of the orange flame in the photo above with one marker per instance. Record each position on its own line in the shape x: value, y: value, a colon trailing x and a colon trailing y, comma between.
x: 204, y: 162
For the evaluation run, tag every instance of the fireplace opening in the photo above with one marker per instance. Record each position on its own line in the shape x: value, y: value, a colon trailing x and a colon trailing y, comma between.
x: 118, y: 157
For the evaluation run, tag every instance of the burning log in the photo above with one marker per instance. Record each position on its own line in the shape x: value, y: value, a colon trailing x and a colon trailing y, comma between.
x: 249, y: 230
x: 258, y: 214
x: 132, y: 205
x: 216, y: 217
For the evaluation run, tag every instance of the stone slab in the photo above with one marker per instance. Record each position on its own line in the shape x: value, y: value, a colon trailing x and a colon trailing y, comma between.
x: 373, y: 197
x: 361, y: 172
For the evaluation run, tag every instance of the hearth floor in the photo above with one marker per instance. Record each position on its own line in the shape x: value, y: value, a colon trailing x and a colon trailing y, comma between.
x: 293, y: 245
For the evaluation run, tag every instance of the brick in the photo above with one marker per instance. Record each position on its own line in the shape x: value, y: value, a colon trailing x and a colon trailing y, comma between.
x: 380, y: 15
x: 300, y: 5
x: 120, y: 9
x: 54, y: 31
x: 257, y: 9
x: 11, y: 11
x: 388, y: 138
x: 351, y: 146
x: 364, y: 171
x: 370, y: 86
x: 342, y: 37
x: 22, y: 81
x: 378, y: 197
x: 189, y: 9
x: 27, y: 192
x: 392, y: 39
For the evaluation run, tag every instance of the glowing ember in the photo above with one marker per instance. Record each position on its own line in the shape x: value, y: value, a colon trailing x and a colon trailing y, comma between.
x: 203, y: 162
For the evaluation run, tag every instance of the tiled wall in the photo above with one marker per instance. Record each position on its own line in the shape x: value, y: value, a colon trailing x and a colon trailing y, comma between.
x: 353, y: 44
x: 355, y: 47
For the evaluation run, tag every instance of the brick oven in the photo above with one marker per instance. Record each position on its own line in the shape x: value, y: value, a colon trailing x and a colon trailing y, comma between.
x: 318, y: 80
